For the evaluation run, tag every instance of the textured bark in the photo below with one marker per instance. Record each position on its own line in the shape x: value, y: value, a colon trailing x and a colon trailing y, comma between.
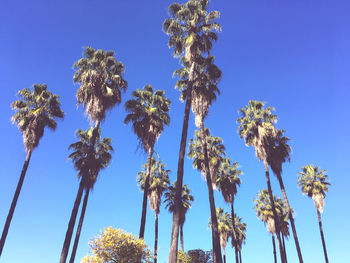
x: 182, y: 237
x: 275, y: 217
x: 234, y: 231
x: 322, y: 236
x: 180, y: 172
x: 284, y: 247
x: 145, y: 194
x: 214, y: 226
x: 71, y: 224
x: 14, y: 202
x: 80, y: 225
x: 291, y: 219
x: 156, y: 238
x: 274, y: 248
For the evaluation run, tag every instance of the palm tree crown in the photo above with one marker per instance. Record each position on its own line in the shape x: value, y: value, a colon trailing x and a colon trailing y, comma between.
x: 101, y: 82
x: 90, y: 158
x: 240, y: 230
x: 35, y: 110
x: 314, y: 183
x: 228, y: 179
x: 148, y: 112
x: 216, y: 152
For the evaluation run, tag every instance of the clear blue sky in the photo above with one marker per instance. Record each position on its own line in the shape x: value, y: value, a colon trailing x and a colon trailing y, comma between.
x: 295, y: 55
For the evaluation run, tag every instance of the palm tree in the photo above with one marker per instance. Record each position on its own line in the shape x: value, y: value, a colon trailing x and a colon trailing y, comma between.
x: 314, y: 183
x: 224, y: 228
x: 186, y: 200
x: 263, y: 208
x: 191, y: 30
x: 279, y: 153
x: 240, y: 229
x: 207, y: 159
x: 284, y: 226
x: 35, y: 110
x: 159, y: 180
x: 88, y: 160
x: 256, y: 127
x: 101, y: 81
x: 227, y: 183
x: 148, y: 113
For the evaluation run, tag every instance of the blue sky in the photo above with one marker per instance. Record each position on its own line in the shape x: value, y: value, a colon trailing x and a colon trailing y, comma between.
x: 293, y: 54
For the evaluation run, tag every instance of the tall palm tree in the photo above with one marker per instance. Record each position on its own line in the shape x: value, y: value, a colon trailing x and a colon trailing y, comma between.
x: 279, y: 153
x: 263, y: 208
x: 191, y: 29
x: 35, y: 110
x: 88, y: 166
x: 314, y: 183
x: 149, y: 113
x: 224, y: 228
x: 101, y: 81
x: 186, y: 200
x: 227, y: 183
x: 159, y: 180
x: 206, y: 159
x: 240, y: 229
x: 256, y: 127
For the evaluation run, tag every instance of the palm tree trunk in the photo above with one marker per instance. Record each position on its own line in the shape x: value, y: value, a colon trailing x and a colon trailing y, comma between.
x: 14, y: 201
x: 156, y: 238
x: 81, y: 220
x: 240, y: 257
x: 224, y: 254
x: 214, y: 226
x: 274, y: 248
x: 284, y: 247
x: 322, y: 236
x: 71, y: 223
x: 234, y: 238
x: 182, y: 237
x: 291, y: 219
x: 275, y: 217
x: 145, y: 193
x: 180, y: 173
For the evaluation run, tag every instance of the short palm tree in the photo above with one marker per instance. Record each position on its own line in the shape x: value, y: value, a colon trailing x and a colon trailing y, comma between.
x: 279, y: 153
x: 88, y: 160
x: 35, y: 110
x: 227, y: 183
x: 314, y: 183
x: 264, y: 212
x: 240, y: 234
x: 186, y: 200
x: 207, y: 159
x: 101, y: 81
x: 191, y: 29
x: 159, y: 180
x: 256, y: 126
x: 148, y: 111
x: 224, y: 228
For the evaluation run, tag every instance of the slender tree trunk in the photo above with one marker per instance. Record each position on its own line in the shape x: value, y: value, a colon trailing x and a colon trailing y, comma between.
x: 240, y: 257
x: 274, y: 248
x: 275, y: 217
x: 224, y: 254
x: 180, y: 172
x: 81, y: 220
x: 322, y: 236
x: 182, y: 237
x: 291, y: 219
x: 156, y: 238
x: 14, y: 201
x: 234, y: 238
x: 284, y: 247
x: 71, y: 223
x: 145, y: 194
x: 214, y: 226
